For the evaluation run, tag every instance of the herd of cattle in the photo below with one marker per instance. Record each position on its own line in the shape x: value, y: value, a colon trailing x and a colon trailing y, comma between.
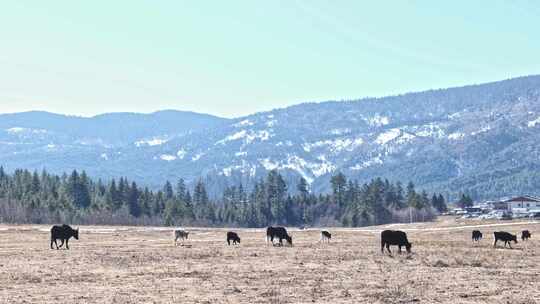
x: 388, y: 237
x: 502, y: 236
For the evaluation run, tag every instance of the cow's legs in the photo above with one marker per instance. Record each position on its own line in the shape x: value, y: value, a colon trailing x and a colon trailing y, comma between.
x: 229, y: 242
x: 67, y: 246
x: 388, y: 248
x: 399, y: 249
x: 55, y: 243
x: 62, y: 243
x: 495, y: 244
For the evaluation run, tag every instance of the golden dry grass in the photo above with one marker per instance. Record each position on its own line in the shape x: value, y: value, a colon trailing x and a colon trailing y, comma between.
x: 140, y: 265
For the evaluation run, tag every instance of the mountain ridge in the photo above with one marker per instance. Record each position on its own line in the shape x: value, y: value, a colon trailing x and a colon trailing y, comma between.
x: 440, y: 139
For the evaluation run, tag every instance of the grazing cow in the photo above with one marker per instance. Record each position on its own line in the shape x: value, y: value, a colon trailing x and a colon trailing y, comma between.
x: 278, y: 232
x: 391, y: 237
x: 180, y: 234
x: 233, y: 236
x: 506, y: 237
x: 525, y: 235
x: 476, y: 235
x: 63, y: 233
x: 325, y: 236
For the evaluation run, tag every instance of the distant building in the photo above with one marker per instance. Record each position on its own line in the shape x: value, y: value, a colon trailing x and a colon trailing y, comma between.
x: 525, y: 202
x: 497, y: 205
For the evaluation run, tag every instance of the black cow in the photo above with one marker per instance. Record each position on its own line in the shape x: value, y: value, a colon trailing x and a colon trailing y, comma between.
x: 525, y: 235
x: 63, y: 233
x: 325, y: 236
x: 476, y: 235
x: 233, y: 236
x: 278, y: 232
x: 506, y: 237
x: 391, y: 237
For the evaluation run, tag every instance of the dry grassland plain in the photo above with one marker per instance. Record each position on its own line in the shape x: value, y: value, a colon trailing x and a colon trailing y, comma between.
x: 141, y: 265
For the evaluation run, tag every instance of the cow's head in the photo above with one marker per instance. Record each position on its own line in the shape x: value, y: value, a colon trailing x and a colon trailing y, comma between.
x: 289, y: 239
x: 76, y: 233
x: 408, y: 247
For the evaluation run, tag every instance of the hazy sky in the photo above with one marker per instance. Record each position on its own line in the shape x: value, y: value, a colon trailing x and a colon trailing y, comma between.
x: 231, y: 58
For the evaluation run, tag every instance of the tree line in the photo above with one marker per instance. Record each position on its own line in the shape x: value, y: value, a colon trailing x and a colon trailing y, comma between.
x: 32, y: 197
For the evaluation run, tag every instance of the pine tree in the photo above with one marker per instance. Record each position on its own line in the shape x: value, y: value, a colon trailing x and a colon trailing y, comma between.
x: 441, y: 206
x: 168, y: 191
x: 465, y: 201
x: 181, y: 190
x: 133, y: 200
x: 339, y: 182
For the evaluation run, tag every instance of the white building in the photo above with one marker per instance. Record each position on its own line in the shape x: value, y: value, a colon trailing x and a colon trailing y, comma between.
x: 526, y: 202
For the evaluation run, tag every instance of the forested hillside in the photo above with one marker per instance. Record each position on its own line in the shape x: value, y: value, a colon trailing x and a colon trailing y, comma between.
x: 27, y: 197
x: 480, y: 139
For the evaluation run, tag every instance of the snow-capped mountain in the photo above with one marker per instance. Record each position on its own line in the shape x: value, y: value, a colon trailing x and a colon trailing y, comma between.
x: 482, y: 139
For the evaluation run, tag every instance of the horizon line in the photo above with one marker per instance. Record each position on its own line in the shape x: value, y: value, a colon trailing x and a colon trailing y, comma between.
x: 357, y: 99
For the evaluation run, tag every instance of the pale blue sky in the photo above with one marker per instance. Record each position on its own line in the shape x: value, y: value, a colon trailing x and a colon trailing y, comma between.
x: 232, y: 58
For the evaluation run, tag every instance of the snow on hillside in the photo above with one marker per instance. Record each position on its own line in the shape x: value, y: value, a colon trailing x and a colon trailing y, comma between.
x: 456, y: 136
x: 247, y: 135
x: 377, y: 120
x: 335, y: 145
x: 156, y: 141
x: 181, y: 153
x: 387, y: 136
x: 167, y: 157
x: 533, y: 123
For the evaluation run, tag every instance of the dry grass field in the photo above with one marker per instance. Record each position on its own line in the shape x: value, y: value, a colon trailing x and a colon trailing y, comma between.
x: 141, y: 265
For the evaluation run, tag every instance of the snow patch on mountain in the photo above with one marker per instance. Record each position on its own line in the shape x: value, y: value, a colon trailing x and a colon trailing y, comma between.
x: 271, y: 123
x: 387, y: 136
x: 322, y: 168
x: 340, y: 131
x: 247, y: 136
x: 533, y: 123
x: 104, y: 156
x: 244, y: 168
x: 455, y: 115
x: 456, y: 136
x: 430, y: 130
x: 156, y: 141
x: 197, y: 156
x: 405, y: 138
x: 335, y: 145
x: 243, y: 123
x: 299, y: 165
x: 268, y: 164
x: 373, y: 161
x: 377, y: 120
x: 482, y: 130
x: 167, y: 157
x: 181, y: 153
